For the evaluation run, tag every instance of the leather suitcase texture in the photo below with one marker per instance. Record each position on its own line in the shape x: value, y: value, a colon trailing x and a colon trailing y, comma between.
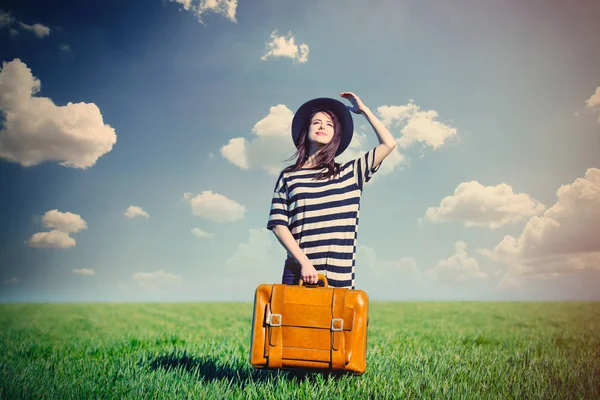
x: 309, y: 327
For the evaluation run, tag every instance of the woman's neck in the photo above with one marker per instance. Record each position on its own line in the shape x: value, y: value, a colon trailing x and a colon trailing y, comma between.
x: 312, y: 157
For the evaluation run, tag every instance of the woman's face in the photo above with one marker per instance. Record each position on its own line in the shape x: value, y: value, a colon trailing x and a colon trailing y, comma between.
x: 320, y: 129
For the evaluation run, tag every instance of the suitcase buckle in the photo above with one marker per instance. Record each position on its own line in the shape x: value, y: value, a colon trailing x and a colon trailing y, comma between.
x: 277, y: 321
x: 337, y: 324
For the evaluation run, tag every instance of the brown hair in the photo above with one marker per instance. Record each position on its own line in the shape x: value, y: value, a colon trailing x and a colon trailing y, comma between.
x: 326, y: 155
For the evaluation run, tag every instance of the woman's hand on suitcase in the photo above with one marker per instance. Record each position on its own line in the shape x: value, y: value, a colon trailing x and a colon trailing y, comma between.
x: 308, y: 273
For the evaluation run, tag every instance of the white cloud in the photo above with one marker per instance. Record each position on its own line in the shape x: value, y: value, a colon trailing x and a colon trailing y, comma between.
x: 201, y: 233
x: 459, y: 267
x: 357, y: 147
x: 272, y: 143
x: 84, y: 271
x: 65, y: 47
x: 5, y: 18
x: 392, y: 161
x: 158, y: 280
x: 267, y: 149
x: 215, y: 207
x: 406, y: 265
x: 11, y: 280
x: 488, y: 206
x: 227, y: 8
x: 420, y: 126
x: 256, y: 251
x: 36, y: 130
x: 259, y: 259
x: 39, y: 29
x: 510, y: 282
x: 279, y: 46
x: 135, y: 211
x: 53, y: 239
x: 564, y: 240
x: 366, y: 258
x: 236, y: 152
x: 593, y: 102
x: 64, y: 223
x: 381, y: 277
x: 187, y: 4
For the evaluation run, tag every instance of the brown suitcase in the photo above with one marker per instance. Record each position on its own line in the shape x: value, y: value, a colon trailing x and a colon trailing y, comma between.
x: 309, y: 327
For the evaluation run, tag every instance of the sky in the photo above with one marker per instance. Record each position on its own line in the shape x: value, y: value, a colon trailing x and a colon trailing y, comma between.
x: 140, y: 143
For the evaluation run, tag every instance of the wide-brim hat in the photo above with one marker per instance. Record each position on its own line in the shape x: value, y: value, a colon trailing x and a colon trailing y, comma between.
x: 335, y: 106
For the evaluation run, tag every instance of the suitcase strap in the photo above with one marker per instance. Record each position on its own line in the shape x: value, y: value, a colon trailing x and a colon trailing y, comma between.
x: 338, y: 301
x: 275, y: 337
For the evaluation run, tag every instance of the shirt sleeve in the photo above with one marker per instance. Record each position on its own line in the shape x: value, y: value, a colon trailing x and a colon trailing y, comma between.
x: 279, y: 207
x: 363, y: 168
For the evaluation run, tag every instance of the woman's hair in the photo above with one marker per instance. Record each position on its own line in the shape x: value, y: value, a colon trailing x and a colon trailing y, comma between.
x: 326, y: 155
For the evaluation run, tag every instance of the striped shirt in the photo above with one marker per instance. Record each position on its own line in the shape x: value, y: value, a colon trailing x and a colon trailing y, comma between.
x: 322, y: 215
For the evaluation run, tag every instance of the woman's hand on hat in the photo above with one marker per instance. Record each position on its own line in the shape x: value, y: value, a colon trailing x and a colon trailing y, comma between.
x: 357, y: 106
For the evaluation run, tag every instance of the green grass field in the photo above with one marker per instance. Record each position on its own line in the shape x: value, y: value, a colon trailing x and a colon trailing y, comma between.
x: 415, y: 350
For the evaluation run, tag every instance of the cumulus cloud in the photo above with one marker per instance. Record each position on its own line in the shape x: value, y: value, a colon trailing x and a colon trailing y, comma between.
x: 272, y: 137
x: 158, y: 280
x: 272, y: 142
x: 236, y: 151
x: 36, y: 130
x: 226, y: 8
x: 488, y: 206
x: 84, y: 271
x: 420, y: 126
x: 459, y: 267
x: 564, y: 240
x: 280, y: 46
x: 359, y: 146
x: 201, y: 233
x: 53, y: 239
x: 135, y: 211
x: 594, y: 100
x: 64, y: 224
x: 65, y: 47
x: 593, y: 103
x: 38, y: 29
x: 215, y: 207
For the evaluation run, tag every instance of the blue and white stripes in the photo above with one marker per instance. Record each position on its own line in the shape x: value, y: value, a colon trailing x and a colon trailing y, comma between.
x: 323, y: 215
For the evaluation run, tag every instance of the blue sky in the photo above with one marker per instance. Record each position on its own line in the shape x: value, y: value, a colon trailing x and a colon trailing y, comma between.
x: 143, y: 167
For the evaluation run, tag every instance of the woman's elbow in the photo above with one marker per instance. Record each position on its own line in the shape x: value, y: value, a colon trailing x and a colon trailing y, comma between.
x: 277, y: 229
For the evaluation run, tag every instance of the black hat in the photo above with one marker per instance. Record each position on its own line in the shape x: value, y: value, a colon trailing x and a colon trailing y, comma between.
x: 337, y: 107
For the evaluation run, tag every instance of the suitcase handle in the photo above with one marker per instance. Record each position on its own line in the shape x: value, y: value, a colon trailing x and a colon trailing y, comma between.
x: 320, y: 278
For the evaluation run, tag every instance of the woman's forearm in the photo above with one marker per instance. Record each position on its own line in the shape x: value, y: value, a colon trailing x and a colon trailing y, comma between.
x: 283, y: 234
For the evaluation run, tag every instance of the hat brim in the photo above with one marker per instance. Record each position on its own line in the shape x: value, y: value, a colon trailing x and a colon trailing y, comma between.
x: 337, y: 107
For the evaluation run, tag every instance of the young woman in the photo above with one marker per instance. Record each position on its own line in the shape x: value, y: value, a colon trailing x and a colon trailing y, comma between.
x: 315, y: 205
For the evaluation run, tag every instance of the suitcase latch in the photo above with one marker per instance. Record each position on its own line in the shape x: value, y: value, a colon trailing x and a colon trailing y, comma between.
x: 274, y: 320
x: 337, y: 324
